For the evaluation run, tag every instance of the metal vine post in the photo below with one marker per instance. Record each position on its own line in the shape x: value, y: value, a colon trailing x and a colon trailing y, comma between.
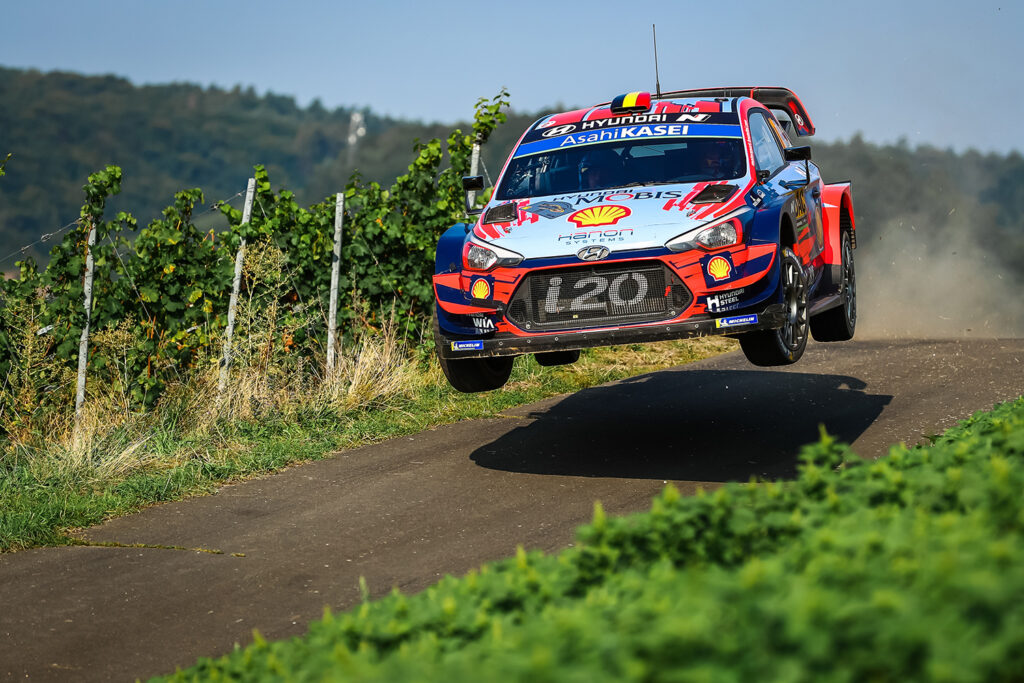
x: 332, y: 319
x: 474, y: 164
x: 236, y: 283
x: 83, y: 344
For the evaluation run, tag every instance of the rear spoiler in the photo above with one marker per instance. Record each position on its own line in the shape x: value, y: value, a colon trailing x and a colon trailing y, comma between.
x: 773, y: 98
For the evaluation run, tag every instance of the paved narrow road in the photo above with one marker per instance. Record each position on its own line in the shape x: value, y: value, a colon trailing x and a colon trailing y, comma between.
x: 405, y: 512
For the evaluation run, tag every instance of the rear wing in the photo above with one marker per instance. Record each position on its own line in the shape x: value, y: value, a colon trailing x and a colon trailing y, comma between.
x: 773, y: 98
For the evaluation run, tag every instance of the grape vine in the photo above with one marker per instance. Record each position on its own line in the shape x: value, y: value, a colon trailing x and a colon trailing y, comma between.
x: 166, y: 291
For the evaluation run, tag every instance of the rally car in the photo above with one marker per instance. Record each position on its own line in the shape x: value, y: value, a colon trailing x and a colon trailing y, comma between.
x: 648, y: 218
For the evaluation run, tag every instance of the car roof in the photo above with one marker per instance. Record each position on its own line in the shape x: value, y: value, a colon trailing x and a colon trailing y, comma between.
x: 705, y: 100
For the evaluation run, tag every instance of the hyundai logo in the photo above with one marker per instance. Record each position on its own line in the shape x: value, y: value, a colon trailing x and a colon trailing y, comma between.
x: 593, y: 253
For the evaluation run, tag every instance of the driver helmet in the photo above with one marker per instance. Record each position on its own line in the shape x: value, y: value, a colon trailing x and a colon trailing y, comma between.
x: 720, y: 159
x: 598, y: 168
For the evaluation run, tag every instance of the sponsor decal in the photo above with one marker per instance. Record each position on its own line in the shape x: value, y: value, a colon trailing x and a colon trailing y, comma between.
x: 467, y: 346
x: 736, y: 321
x: 544, y: 143
x: 724, y: 301
x: 719, y: 268
x: 548, y: 209
x: 549, y: 129
x: 559, y: 130
x: 480, y: 289
x: 483, y: 323
x: 591, y: 217
x: 604, y: 196
x: 596, y: 236
x: 626, y: 132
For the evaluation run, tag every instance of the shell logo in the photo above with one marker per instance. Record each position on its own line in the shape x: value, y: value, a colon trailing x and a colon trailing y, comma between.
x: 593, y: 216
x: 481, y: 290
x: 719, y: 268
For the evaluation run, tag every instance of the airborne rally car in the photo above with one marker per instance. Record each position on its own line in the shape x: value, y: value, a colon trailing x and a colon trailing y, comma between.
x: 649, y: 218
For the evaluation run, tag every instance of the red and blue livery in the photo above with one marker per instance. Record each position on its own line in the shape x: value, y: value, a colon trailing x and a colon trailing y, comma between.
x: 649, y: 218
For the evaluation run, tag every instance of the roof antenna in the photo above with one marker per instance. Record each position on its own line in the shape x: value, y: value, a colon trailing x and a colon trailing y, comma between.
x: 657, y: 83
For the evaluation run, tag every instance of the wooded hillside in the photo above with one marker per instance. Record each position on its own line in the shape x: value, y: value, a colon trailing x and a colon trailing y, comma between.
x: 61, y: 127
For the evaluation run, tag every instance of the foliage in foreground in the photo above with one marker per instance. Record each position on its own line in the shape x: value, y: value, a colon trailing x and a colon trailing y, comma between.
x: 903, y: 568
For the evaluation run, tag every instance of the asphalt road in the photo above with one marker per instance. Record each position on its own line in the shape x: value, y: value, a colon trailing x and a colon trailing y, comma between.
x: 406, y: 512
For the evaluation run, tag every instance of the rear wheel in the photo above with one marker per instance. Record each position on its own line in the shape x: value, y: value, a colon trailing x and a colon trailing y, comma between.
x: 786, y: 344
x: 839, y: 323
x: 557, y: 357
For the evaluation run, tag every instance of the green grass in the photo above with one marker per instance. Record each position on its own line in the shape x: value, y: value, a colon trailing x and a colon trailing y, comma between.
x: 43, y: 497
x: 905, y: 568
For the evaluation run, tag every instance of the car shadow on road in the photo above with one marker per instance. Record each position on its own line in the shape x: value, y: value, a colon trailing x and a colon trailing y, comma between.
x: 694, y: 425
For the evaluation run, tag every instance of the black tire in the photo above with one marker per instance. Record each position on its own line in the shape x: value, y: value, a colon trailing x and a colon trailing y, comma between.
x: 839, y: 323
x: 785, y: 345
x: 471, y: 375
x: 552, y: 358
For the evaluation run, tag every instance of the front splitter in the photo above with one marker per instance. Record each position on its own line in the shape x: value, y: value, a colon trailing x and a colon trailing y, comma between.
x: 772, y: 317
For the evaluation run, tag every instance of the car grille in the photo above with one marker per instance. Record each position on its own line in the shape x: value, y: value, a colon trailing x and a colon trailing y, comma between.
x: 598, y: 295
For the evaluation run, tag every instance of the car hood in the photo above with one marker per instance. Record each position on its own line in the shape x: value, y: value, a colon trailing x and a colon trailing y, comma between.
x: 620, y: 219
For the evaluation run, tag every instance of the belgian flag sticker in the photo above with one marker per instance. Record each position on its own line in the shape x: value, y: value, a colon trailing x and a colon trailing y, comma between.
x: 631, y: 102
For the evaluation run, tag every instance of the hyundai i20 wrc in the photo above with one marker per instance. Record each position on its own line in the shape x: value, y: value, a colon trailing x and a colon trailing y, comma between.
x: 649, y: 218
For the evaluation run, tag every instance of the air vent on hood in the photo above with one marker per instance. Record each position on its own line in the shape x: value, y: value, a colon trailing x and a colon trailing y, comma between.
x: 502, y: 213
x: 713, y: 194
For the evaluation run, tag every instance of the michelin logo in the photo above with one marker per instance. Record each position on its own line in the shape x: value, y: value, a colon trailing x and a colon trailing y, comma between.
x: 736, y: 321
x: 467, y: 346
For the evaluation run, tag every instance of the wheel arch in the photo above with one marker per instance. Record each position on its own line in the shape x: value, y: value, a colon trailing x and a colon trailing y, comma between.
x: 448, y: 255
x: 787, y: 234
x: 837, y: 215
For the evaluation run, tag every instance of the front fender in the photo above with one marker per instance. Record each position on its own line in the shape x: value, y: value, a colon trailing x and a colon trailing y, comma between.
x: 448, y: 255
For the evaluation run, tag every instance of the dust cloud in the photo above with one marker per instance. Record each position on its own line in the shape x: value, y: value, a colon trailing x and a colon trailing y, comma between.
x: 927, y: 281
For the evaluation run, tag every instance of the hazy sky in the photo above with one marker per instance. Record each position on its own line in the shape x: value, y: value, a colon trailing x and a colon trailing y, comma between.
x: 933, y: 71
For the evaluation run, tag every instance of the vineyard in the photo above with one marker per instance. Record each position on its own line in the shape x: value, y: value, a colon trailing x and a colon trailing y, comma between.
x: 160, y: 294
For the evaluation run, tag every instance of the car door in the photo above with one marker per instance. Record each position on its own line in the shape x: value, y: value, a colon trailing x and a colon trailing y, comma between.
x: 787, y: 183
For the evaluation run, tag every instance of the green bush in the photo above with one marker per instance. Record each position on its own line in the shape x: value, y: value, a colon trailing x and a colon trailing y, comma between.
x: 908, y: 567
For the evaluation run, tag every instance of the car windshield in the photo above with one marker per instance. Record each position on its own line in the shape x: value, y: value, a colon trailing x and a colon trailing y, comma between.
x: 610, y: 165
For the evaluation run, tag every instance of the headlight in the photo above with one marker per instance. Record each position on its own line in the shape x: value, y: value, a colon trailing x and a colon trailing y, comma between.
x: 721, y: 235
x: 724, y: 231
x: 477, y: 256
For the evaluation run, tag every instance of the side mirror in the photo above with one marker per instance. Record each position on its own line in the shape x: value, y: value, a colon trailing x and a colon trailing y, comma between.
x: 763, y: 175
x: 798, y: 153
x: 474, y: 183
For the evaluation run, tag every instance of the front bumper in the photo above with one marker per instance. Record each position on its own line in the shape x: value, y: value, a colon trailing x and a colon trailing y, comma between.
x: 771, y: 317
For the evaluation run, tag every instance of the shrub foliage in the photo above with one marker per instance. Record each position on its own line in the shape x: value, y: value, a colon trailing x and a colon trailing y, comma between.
x: 905, y: 568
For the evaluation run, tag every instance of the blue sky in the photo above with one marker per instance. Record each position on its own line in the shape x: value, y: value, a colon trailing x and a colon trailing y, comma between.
x: 934, y: 72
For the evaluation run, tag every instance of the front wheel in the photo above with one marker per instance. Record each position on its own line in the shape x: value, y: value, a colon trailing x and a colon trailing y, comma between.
x: 470, y: 375
x: 839, y: 323
x: 785, y: 345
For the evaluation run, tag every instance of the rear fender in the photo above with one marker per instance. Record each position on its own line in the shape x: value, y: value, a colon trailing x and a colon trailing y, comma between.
x: 834, y: 199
